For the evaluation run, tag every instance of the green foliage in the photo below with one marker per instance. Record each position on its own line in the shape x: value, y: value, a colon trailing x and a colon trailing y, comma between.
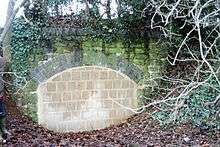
x: 128, y: 28
x: 115, y: 48
x: 26, y: 40
x: 155, y: 65
x: 29, y: 98
x: 20, y: 47
x: 192, y: 106
x: 126, y: 35
x: 58, y: 2
x: 60, y: 47
x: 27, y: 45
x: 198, y: 109
x: 26, y: 51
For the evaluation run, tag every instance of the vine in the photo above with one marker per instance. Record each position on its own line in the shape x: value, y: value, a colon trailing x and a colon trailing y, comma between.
x: 27, y: 41
x: 27, y: 49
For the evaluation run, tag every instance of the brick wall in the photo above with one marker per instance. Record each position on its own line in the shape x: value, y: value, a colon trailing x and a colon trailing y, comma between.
x: 85, y: 98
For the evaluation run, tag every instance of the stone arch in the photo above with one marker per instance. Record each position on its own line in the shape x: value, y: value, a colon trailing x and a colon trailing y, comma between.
x: 65, y: 61
x: 85, y: 94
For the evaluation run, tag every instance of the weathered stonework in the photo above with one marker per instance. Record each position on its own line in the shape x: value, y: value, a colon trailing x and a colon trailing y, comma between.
x: 66, y: 61
x: 85, y: 98
x: 81, y: 94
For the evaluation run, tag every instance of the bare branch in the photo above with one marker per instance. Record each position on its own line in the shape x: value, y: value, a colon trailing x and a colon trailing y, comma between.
x: 9, y: 23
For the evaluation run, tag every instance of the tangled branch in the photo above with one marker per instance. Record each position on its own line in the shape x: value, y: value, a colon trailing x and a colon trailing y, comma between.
x: 199, y: 32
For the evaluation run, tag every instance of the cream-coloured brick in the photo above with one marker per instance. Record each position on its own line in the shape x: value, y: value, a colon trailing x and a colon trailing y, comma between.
x: 56, y: 97
x: 66, y: 116
x: 122, y: 94
x: 108, y: 84
x: 130, y: 93
x: 112, y: 94
x: 51, y: 87
x: 66, y: 96
x: 99, y: 84
x: 75, y: 115
x: 57, y: 78
x: 61, y: 86
x: 85, y: 95
x: 52, y: 107
x: 112, y: 113
x: 133, y: 103
x: 80, y: 85
x: 108, y: 122
x: 108, y: 104
x: 68, y: 126
x: 128, y: 113
x: 103, y: 74
x: 125, y: 113
x: 94, y: 93
x: 119, y: 113
x: 62, y: 106
x: 117, y: 84
x: 116, y: 121
x: 132, y: 85
x: 118, y: 103
x: 81, y: 105
x: 47, y: 97
x: 89, y: 125
x: 71, y: 86
x: 76, y: 95
x: 104, y: 94
x: 125, y: 84
x: 66, y: 76
x: 82, y: 126
x: 85, y: 75
x: 94, y: 75
x: 75, y: 75
x: 71, y: 106
x: 89, y: 85
x: 99, y: 124
x: 119, y: 77
x: 112, y: 75
x: 125, y: 102
x: 74, y: 126
x: 83, y: 115
x: 69, y: 112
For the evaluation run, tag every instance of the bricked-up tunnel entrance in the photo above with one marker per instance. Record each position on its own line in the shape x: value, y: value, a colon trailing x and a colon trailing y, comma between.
x: 85, y: 97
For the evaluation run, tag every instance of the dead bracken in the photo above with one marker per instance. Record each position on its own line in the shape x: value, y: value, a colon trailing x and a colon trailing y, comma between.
x: 139, y: 130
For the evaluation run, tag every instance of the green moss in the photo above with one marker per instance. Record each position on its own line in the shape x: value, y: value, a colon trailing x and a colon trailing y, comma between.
x: 60, y: 47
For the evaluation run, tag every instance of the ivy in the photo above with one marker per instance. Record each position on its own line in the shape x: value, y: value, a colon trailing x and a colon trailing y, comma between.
x: 196, y: 109
x: 27, y: 39
x: 58, y: 2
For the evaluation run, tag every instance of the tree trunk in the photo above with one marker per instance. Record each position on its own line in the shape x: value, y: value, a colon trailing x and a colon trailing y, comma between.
x: 87, y: 11
x: 119, y: 8
x: 7, y: 27
x: 108, y: 9
x: 7, y: 40
x: 56, y: 9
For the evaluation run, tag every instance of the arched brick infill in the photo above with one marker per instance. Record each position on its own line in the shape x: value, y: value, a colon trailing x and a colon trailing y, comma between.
x: 85, y: 94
